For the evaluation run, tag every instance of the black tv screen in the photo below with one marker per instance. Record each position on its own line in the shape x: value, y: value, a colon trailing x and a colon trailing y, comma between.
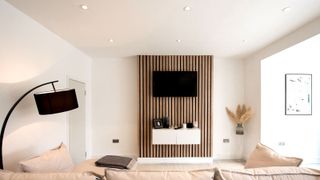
x: 174, y: 83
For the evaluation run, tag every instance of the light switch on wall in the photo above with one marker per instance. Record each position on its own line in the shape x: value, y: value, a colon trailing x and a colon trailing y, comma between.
x: 115, y: 140
x: 226, y: 140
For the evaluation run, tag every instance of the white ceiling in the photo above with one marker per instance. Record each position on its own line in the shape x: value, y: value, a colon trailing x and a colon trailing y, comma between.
x: 224, y: 28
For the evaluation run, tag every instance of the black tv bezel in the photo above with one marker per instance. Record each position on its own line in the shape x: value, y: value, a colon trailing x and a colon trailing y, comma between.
x: 195, y: 94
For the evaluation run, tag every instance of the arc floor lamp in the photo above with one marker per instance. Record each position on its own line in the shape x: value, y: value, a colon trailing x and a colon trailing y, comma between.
x: 51, y: 102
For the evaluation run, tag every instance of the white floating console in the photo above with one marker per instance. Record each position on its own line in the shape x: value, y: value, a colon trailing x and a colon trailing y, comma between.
x: 178, y: 136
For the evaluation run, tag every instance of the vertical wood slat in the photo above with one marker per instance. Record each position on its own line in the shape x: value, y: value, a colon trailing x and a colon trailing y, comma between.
x: 201, y: 107
x: 210, y: 90
x: 178, y: 109
x: 140, y: 109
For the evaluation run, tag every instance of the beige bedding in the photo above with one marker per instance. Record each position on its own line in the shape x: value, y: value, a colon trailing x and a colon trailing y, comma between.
x: 269, y: 173
x: 6, y: 175
x: 115, y: 174
x: 224, y: 170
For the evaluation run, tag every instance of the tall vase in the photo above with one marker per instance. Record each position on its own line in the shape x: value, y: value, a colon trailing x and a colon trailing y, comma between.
x: 239, y: 129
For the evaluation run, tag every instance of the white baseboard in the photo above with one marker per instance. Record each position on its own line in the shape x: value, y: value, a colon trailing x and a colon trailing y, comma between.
x: 227, y: 156
x: 174, y: 160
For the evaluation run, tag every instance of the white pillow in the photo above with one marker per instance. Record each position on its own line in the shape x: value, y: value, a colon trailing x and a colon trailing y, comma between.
x: 55, y: 160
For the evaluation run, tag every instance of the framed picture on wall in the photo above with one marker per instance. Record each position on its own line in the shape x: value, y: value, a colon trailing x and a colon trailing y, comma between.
x: 157, y: 123
x: 298, y: 94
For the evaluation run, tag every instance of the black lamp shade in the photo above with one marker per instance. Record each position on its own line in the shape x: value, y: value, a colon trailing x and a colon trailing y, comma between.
x: 56, y: 101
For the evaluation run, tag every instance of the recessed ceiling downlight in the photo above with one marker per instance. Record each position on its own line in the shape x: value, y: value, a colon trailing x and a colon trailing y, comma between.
x: 187, y: 8
x: 111, y: 40
x: 286, y: 9
x: 84, y: 7
x: 178, y: 40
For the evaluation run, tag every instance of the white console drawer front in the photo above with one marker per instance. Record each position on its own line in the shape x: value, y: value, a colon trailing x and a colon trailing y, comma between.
x: 179, y: 136
x: 163, y: 136
x: 188, y: 136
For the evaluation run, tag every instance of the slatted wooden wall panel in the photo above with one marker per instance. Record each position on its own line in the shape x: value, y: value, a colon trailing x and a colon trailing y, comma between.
x: 178, y: 109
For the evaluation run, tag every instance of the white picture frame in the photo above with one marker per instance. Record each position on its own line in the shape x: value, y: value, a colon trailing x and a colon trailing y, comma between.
x: 298, y: 94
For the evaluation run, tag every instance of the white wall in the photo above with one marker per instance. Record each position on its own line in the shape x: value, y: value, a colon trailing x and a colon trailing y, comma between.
x: 228, y: 92
x: 295, y: 131
x: 115, y: 106
x: 253, y: 81
x: 31, y: 55
x: 34, y: 55
x: 252, y: 98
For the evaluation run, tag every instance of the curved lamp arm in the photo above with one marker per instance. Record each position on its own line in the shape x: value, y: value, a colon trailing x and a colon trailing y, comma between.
x: 9, y: 113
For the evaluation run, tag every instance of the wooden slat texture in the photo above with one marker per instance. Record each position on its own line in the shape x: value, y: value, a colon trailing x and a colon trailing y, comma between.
x: 178, y: 109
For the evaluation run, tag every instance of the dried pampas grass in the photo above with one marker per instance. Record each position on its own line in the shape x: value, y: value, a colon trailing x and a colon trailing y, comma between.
x: 242, y: 114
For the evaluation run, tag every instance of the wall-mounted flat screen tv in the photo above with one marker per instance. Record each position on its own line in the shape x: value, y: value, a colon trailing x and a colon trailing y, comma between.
x: 174, y: 83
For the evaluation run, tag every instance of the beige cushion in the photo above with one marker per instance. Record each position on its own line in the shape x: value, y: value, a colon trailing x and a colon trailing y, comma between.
x: 45, y: 176
x: 88, y: 165
x: 116, y: 174
x: 263, y: 156
x: 268, y: 173
x: 55, y: 160
x: 5, y: 175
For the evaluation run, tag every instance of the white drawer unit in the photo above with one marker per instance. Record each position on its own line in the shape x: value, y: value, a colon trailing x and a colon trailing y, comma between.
x: 179, y: 136
x: 163, y: 136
